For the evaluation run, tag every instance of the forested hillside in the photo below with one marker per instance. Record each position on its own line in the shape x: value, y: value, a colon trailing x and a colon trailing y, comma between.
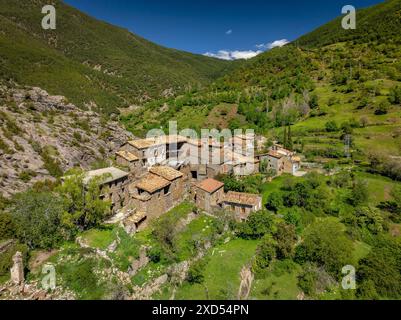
x: 101, y: 63
x: 324, y: 89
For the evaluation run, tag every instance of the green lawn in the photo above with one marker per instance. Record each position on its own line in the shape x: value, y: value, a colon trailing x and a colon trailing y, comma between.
x: 99, y: 238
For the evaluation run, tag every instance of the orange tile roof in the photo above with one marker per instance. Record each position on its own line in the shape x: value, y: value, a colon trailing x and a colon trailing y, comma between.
x: 127, y: 155
x: 152, y: 183
x: 210, y: 185
x: 242, y: 198
x: 166, y: 172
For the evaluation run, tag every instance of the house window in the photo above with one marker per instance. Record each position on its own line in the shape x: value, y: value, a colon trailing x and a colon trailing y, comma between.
x: 167, y: 190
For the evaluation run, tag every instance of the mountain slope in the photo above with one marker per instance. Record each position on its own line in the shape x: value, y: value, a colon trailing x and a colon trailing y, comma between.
x: 322, y: 78
x: 101, y: 63
x: 42, y: 136
x: 377, y: 23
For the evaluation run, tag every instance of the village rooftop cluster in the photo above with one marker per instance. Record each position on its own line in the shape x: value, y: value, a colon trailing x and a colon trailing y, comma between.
x: 162, y: 172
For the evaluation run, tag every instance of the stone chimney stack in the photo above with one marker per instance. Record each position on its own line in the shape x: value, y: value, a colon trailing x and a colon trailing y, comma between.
x: 17, y: 271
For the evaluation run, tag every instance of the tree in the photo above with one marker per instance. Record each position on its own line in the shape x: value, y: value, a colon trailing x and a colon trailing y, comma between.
x: 195, y: 272
x: 395, y: 95
x: 265, y: 254
x: 274, y: 201
x: 314, y: 101
x: 285, y: 138
x: 331, y: 126
x: 382, y: 109
x: 84, y: 207
x: 360, y: 193
x: 7, y: 226
x: 259, y: 224
x: 290, y: 144
x: 326, y: 244
x: 293, y: 217
x: 37, y: 219
x: 286, y: 239
x: 382, y: 267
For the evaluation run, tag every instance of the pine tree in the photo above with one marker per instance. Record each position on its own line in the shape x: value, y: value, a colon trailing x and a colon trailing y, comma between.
x: 290, y: 144
x: 285, y: 139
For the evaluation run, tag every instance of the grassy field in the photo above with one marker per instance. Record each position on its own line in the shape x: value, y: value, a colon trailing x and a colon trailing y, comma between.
x: 222, y: 273
x: 278, y: 285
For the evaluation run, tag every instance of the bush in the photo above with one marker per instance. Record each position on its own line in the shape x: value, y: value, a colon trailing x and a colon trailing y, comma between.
x: 331, y: 126
x: 382, y: 109
x: 265, y: 254
x: 7, y: 227
x: 285, y: 238
x: 258, y: 225
x: 395, y: 95
x: 195, y: 272
x: 326, y: 244
x: 380, y: 271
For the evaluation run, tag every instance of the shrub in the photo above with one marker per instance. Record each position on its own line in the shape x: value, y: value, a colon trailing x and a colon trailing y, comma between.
x: 7, y: 227
x: 331, y: 126
x: 195, y: 272
x: 258, y: 225
x: 382, y: 109
x: 326, y: 244
x: 395, y: 95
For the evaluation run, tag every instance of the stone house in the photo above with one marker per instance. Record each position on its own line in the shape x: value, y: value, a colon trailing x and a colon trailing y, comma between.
x: 114, y: 185
x: 274, y: 161
x: 157, y: 150
x: 130, y: 161
x: 179, y: 183
x: 292, y: 165
x: 158, y: 192
x: 242, y: 204
x: 208, y: 194
x: 239, y: 164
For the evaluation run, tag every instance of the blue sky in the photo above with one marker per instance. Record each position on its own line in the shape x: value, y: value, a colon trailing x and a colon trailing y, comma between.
x: 205, y: 26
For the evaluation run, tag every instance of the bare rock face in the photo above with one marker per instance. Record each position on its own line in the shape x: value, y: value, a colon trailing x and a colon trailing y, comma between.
x: 41, y: 135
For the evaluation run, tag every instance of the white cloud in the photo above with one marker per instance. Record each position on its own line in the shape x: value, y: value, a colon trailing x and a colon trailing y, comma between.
x: 246, y: 54
x: 233, y: 55
x: 271, y: 45
x: 229, y: 32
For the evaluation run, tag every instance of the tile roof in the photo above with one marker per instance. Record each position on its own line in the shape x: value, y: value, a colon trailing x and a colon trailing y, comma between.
x: 242, y: 198
x: 166, y: 172
x: 127, y: 155
x: 152, y: 183
x: 210, y: 185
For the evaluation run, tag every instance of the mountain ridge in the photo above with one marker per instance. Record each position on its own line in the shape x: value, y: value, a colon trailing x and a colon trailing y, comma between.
x: 107, y: 65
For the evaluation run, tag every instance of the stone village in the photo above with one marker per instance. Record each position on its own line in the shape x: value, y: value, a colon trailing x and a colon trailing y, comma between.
x: 161, y: 172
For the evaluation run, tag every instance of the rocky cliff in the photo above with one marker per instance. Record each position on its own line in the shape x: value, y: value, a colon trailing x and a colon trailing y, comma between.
x: 42, y: 136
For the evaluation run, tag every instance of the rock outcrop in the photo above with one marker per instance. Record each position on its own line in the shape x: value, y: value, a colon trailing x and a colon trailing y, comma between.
x: 41, y: 135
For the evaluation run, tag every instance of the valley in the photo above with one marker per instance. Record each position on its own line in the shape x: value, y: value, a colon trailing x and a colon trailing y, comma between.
x: 326, y: 111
